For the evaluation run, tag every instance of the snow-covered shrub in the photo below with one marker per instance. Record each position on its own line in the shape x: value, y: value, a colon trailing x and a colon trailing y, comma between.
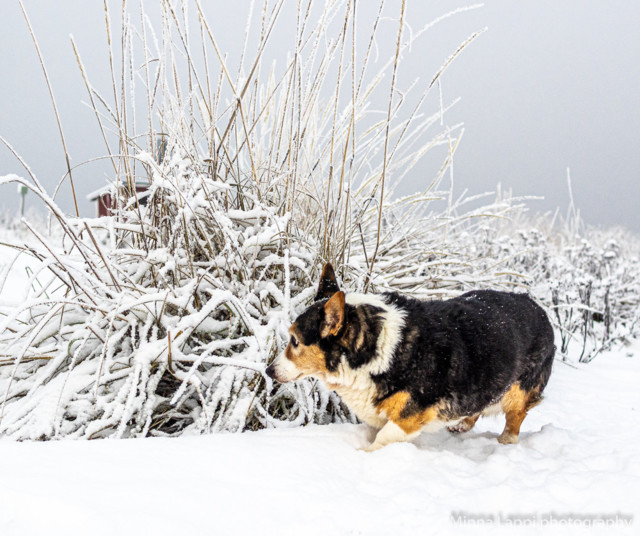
x: 588, y: 278
x: 165, y: 317
x: 161, y: 318
x: 591, y: 282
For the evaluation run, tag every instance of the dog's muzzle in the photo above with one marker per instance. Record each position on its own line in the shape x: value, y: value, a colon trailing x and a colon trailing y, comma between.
x: 282, y: 370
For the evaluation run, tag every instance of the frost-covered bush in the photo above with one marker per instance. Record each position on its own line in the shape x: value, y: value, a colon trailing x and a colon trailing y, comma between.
x: 165, y: 316
x: 588, y: 278
x: 161, y: 318
x: 591, y: 284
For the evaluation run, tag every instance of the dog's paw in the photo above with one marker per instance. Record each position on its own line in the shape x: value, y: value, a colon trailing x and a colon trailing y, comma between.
x: 464, y: 425
x: 370, y: 448
x: 461, y: 427
x: 458, y: 428
x: 508, y: 439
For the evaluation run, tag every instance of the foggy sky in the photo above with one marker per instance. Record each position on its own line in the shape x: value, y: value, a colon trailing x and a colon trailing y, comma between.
x: 551, y: 85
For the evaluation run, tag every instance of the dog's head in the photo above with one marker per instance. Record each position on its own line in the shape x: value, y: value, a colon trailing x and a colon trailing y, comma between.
x: 315, y: 335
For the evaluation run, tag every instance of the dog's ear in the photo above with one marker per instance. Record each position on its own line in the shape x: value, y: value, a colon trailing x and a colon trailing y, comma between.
x: 333, y: 315
x: 328, y: 285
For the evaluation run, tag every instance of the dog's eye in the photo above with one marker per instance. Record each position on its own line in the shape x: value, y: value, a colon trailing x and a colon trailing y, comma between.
x: 294, y: 341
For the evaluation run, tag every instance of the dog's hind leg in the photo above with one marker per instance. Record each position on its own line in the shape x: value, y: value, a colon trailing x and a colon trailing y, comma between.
x: 515, y: 404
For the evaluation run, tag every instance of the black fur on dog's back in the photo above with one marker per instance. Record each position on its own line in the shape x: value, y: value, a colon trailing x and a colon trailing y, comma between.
x: 468, y: 351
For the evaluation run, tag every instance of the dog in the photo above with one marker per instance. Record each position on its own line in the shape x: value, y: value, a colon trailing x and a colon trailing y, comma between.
x: 403, y: 365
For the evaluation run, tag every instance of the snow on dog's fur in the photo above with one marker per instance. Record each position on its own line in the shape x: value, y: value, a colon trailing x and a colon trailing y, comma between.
x: 403, y: 365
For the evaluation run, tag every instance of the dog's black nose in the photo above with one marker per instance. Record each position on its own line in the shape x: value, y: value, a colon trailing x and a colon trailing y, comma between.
x: 271, y: 371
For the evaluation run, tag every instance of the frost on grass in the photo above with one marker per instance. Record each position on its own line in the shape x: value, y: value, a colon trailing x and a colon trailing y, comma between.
x: 161, y: 318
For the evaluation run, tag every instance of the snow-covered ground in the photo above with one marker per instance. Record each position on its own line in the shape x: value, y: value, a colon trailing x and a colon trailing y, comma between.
x: 578, y: 456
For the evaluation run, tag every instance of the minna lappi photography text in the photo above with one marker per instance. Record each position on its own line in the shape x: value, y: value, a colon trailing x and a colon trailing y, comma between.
x: 319, y: 267
x: 616, y: 520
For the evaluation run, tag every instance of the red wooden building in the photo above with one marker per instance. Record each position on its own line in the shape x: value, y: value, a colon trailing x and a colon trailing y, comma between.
x: 105, y: 198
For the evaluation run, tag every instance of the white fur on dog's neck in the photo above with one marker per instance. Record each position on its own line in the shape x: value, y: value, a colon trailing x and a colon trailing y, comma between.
x: 355, y: 386
x: 392, y: 324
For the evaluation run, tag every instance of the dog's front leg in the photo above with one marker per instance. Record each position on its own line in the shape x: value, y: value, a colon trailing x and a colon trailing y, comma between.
x: 390, y: 433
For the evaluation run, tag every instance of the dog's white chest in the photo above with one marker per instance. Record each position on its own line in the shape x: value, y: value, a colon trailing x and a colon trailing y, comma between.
x: 360, y: 401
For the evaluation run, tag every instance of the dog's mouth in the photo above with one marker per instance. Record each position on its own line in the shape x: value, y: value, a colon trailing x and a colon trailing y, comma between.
x: 298, y: 377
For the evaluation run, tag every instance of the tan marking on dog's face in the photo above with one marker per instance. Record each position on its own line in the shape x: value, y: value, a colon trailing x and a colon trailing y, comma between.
x: 393, y: 408
x: 307, y: 359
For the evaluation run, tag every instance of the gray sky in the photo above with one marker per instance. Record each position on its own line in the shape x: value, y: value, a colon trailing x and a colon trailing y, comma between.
x: 552, y: 84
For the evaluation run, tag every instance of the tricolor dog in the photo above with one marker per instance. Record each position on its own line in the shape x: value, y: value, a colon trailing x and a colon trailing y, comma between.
x: 403, y: 365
